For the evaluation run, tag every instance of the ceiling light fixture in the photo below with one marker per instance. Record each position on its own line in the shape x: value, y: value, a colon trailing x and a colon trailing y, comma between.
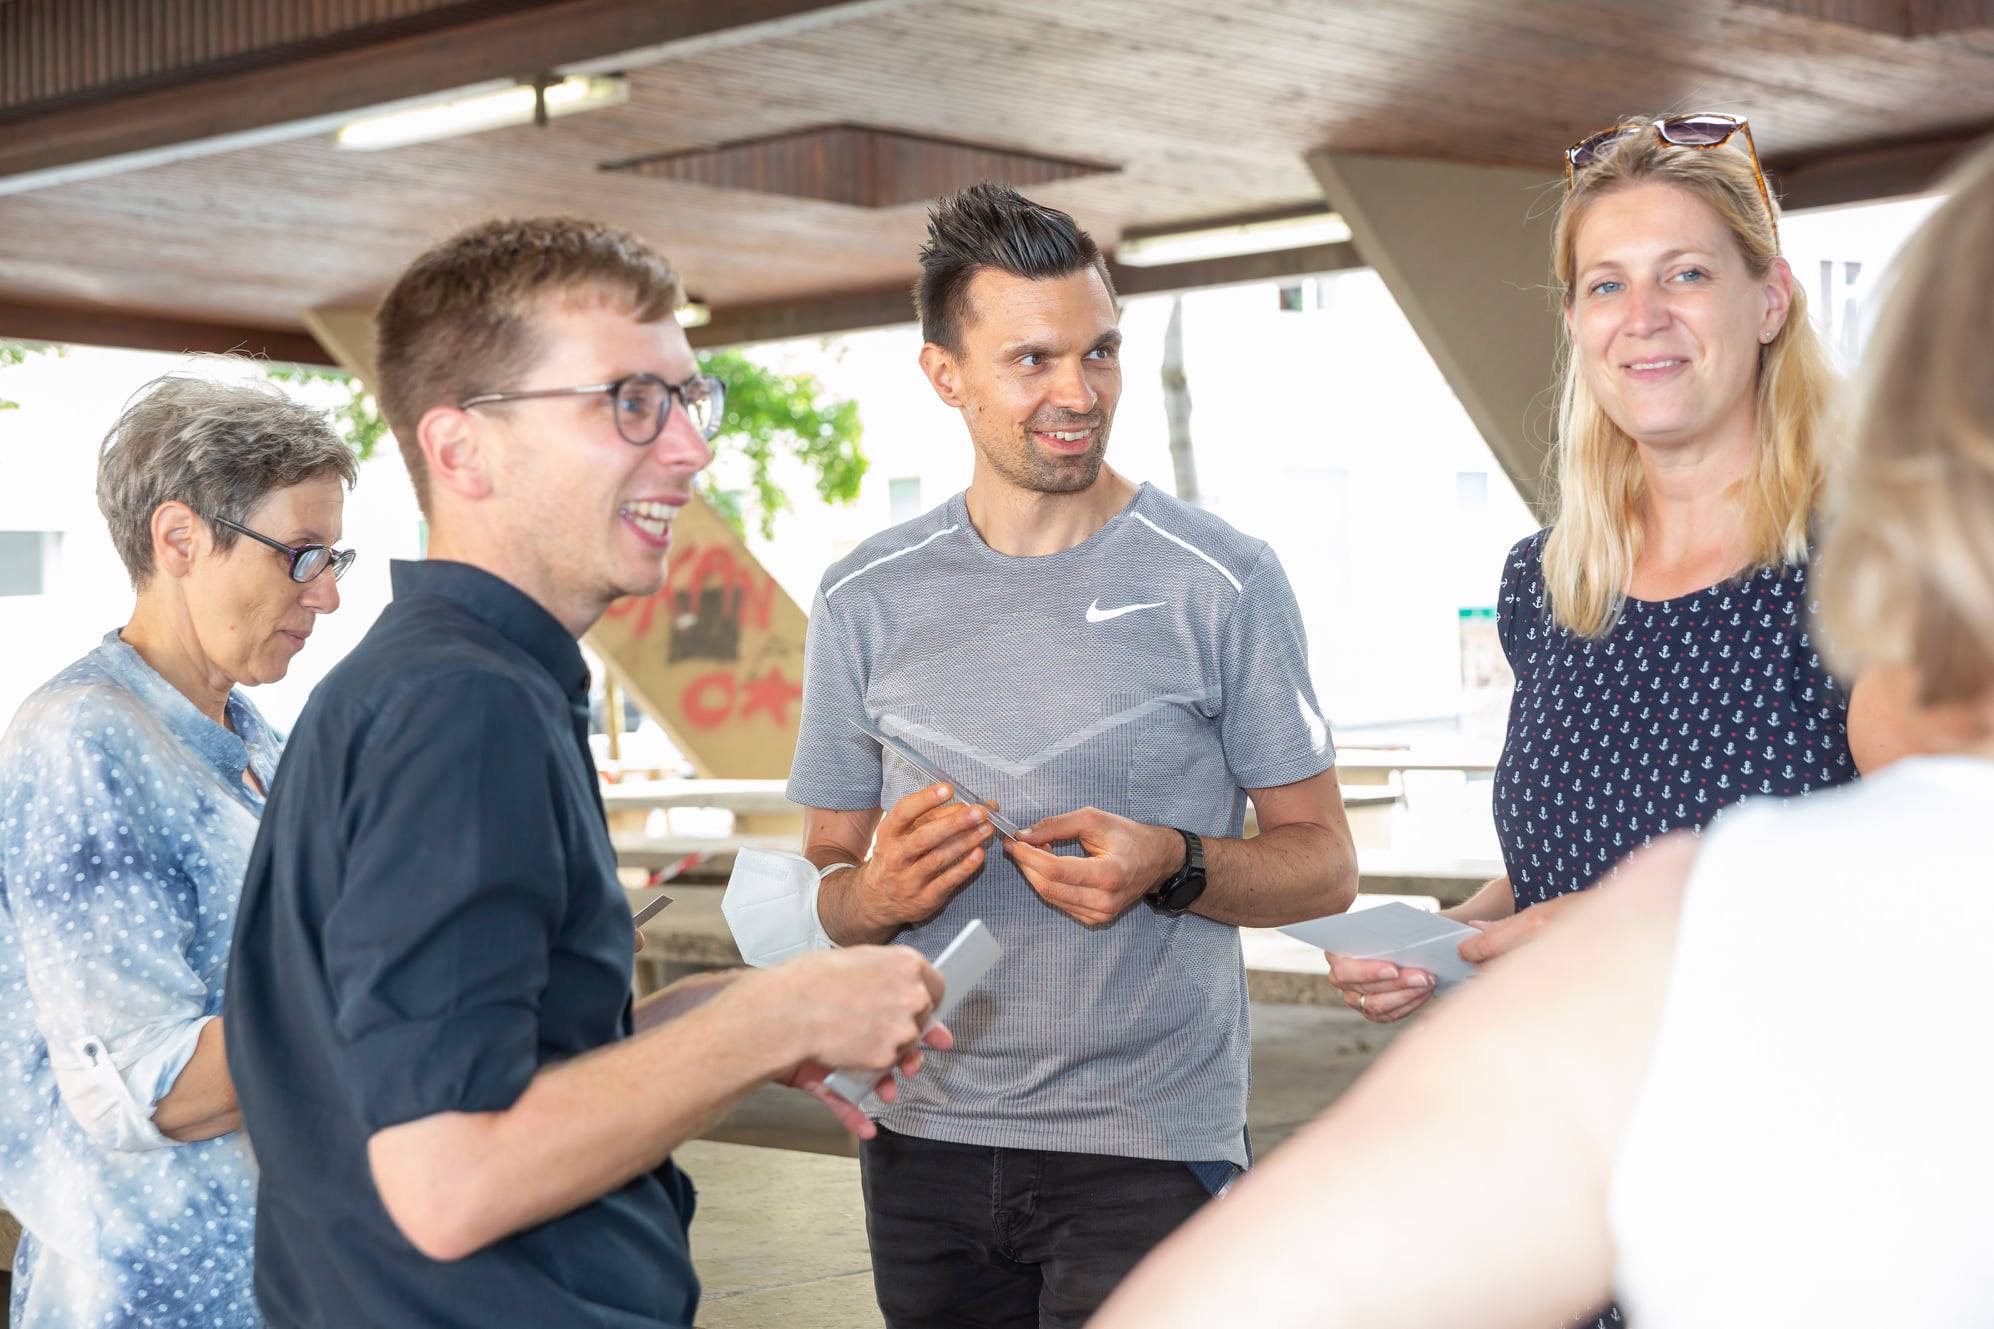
x: 1231, y: 239
x: 521, y: 104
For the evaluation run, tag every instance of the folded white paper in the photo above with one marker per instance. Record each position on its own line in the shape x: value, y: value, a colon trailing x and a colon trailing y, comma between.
x: 771, y: 907
x: 1410, y: 938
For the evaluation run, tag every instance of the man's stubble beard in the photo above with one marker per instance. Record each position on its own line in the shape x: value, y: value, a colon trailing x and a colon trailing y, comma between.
x: 1034, y: 471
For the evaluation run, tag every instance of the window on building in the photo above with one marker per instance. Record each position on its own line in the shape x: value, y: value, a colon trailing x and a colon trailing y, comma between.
x: 903, y: 496
x: 27, y: 561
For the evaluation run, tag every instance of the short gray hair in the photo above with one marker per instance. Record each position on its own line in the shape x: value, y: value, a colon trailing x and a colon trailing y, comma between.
x: 220, y: 448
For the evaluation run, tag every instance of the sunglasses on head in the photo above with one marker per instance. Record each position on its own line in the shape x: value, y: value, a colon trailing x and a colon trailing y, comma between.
x: 1698, y: 129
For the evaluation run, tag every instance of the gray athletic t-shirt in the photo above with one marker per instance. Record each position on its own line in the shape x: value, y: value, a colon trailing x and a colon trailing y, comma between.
x: 1155, y: 671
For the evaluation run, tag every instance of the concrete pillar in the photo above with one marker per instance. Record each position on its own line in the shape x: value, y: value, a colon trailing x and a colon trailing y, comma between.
x: 1466, y: 252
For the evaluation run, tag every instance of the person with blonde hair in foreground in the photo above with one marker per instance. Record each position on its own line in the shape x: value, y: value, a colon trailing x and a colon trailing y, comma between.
x: 1729, y: 1128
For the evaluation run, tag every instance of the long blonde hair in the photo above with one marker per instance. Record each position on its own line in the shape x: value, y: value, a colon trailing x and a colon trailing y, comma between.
x: 1907, y: 567
x: 1597, y: 536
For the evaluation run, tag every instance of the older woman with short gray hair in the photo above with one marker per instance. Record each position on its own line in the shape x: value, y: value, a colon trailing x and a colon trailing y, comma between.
x: 130, y: 787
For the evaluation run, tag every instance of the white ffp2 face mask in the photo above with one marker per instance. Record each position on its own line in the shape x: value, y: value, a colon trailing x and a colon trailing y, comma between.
x: 771, y: 907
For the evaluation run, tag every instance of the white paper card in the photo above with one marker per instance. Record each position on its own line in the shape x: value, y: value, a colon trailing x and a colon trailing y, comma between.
x: 1408, y: 937
x: 962, y: 965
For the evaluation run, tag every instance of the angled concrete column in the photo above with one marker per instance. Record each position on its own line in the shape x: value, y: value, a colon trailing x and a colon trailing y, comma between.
x: 1466, y: 252
x: 716, y: 657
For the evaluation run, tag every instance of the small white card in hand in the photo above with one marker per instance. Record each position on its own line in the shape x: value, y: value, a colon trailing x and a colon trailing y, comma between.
x: 962, y: 964
x: 1408, y: 937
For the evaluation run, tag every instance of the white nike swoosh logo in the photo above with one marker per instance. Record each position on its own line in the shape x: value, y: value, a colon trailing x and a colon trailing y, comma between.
x: 1096, y: 614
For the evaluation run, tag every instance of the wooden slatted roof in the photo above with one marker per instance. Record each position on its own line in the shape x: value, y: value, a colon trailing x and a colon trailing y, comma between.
x: 1205, y: 108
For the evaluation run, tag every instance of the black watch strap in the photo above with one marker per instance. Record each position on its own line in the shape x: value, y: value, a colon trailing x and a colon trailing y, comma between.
x: 1181, y: 890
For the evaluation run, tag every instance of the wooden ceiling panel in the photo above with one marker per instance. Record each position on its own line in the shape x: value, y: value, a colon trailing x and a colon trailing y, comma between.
x: 1898, y: 18
x: 856, y: 165
x: 59, y: 50
x: 1207, y: 108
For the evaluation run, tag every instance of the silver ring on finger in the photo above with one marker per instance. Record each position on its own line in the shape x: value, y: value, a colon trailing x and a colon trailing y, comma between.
x: 1363, y: 997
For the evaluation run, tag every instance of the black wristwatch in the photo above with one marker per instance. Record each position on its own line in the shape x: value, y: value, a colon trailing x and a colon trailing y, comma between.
x: 1181, y: 890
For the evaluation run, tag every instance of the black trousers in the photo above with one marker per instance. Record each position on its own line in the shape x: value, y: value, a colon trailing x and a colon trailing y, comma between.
x: 970, y: 1237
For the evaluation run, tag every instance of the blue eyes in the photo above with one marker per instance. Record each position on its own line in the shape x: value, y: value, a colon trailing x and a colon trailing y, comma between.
x: 1687, y: 277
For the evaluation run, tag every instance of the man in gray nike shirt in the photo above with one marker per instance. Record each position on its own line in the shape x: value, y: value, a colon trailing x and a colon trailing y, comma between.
x: 1119, y: 672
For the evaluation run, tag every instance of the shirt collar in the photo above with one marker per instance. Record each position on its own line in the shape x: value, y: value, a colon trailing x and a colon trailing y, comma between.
x: 228, y: 751
x: 500, y: 605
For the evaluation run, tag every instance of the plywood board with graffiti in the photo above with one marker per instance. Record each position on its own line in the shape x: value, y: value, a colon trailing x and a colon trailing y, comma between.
x: 716, y: 657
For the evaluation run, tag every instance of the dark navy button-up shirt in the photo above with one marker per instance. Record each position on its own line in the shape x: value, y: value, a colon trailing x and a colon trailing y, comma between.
x: 431, y: 915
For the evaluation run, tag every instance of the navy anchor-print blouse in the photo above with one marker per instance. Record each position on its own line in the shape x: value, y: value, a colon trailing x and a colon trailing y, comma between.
x: 1686, y: 707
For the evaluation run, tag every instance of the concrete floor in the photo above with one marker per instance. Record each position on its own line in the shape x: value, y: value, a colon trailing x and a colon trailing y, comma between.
x: 1303, y: 1057
x: 779, y: 1239
x: 780, y: 1234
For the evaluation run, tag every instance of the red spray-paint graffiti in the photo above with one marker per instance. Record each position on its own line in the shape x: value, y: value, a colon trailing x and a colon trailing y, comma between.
x: 710, y: 596
x: 714, y: 698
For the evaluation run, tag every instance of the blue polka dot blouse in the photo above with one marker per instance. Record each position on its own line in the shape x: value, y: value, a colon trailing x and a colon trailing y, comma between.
x: 125, y: 826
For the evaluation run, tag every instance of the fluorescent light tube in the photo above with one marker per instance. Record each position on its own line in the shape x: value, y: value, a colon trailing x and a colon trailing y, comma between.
x: 1253, y: 237
x: 471, y: 115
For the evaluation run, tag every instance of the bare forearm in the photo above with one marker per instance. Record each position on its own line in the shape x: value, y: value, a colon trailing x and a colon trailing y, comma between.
x: 1319, y: 1235
x: 1491, y: 904
x: 1294, y: 1261
x: 831, y: 837
x: 1283, y: 875
x: 841, y: 907
x: 582, y: 1128
x: 201, y: 1104
x: 681, y: 998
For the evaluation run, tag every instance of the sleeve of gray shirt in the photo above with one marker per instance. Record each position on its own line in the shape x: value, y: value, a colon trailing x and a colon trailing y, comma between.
x: 836, y: 766
x: 1272, y: 728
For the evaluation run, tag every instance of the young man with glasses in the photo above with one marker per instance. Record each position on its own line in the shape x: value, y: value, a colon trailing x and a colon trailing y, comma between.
x: 459, y: 1116
x: 1120, y: 672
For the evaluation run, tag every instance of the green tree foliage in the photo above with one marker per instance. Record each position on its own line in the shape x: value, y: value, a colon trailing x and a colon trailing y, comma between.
x: 769, y: 415
x: 357, y: 416
x: 12, y: 353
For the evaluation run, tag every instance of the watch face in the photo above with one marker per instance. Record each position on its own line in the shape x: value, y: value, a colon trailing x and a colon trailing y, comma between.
x: 1183, y: 894
x: 1182, y: 891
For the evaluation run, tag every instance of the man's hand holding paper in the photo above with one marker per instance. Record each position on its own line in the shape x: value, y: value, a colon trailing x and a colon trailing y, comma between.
x: 869, y: 1009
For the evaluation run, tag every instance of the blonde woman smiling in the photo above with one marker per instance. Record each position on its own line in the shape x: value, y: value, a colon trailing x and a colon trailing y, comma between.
x: 1658, y: 629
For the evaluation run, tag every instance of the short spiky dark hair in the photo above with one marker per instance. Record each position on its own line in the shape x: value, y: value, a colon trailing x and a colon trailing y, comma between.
x: 990, y: 225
